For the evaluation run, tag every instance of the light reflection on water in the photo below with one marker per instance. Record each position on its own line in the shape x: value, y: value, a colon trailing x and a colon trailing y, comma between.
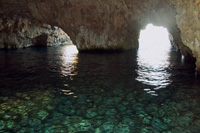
x: 69, y: 65
x: 69, y: 60
x: 153, y: 58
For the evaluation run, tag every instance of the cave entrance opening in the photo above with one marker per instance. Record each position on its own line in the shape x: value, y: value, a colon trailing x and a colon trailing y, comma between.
x: 154, y: 38
x: 153, y: 57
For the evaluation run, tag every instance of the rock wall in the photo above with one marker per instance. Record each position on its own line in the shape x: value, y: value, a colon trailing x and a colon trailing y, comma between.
x: 115, y: 24
x: 97, y: 24
x: 17, y: 32
x: 188, y: 21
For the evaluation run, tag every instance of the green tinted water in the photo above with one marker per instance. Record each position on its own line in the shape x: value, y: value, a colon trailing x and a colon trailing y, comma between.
x: 56, y: 90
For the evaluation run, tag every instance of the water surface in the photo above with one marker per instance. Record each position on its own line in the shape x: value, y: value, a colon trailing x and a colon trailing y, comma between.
x: 57, y: 90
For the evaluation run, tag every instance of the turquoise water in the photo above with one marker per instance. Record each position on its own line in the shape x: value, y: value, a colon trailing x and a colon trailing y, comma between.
x: 56, y: 89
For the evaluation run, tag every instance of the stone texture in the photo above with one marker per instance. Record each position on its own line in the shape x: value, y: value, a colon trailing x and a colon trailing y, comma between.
x: 98, y: 24
x: 188, y: 19
x: 17, y: 32
x: 115, y: 24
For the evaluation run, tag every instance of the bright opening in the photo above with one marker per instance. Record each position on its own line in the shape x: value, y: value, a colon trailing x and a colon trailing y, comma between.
x: 154, y: 37
x: 153, y: 56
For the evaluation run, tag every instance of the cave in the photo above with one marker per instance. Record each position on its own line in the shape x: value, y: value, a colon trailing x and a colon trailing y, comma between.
x: 92, y: 73
x: 41, y: 40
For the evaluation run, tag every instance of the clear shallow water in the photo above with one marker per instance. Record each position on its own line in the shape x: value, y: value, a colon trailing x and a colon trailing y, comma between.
x: 57, y: 90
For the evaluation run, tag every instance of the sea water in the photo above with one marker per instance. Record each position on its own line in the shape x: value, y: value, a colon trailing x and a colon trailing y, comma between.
x: 57, y: 89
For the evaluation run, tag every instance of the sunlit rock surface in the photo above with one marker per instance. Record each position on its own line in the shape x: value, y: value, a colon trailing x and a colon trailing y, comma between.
x: 115, y: 24
x: 19, y: 33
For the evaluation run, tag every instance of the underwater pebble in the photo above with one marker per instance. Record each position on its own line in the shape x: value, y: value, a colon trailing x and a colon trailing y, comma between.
x: 71, y: 129
x: 158, y: 124
x: 6, y: 116
x: 111, y: 112
x: 97, y: 121
x: 97, y: 130
x: 49, y: 107
x: 2, y: 112
x: 5, y: 106
x: 34, y: 122
x: 42, y: 114
x: 121, y: 108
x: 128, y: 121
x: 66, y: 109
x: 10, y: 124
x: 121, y: 128
x: 92, y: 112
x: 24, y: 120
x: 107, y: 127
x: 2, y: 124
x: 84, y: 125
x: 147, y: 120
x: 148, y: 130
x: 101, y: 109
x: 166, y: 120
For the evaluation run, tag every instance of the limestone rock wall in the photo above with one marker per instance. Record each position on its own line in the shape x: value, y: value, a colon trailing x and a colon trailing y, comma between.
x: 188, y: 21
x: 17, y: 32
x: 103, y: 24
x: 99, y: 24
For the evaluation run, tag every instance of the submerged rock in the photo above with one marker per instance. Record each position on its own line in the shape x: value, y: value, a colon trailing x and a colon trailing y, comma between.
x: 121, y: 128
x: 147, y: 120
x: 158, y: 124
x: 10, y: 124
x: 34, y: 122
x: 84, y: 125
x: 148, y: 130
x: 107, y: 127
x: 42, y: 114
x: 67, y: 109
x: 92, y: 112
x: 2, y: 124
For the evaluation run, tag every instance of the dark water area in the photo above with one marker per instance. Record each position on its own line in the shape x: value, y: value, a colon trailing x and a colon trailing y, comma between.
x: 56, y: 89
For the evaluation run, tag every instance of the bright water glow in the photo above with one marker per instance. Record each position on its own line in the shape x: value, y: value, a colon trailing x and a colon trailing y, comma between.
x: 69, y: 60
x: 153, y: 56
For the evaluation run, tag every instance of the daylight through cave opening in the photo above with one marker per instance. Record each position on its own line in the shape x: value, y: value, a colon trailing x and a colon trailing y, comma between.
x: 153, y: 57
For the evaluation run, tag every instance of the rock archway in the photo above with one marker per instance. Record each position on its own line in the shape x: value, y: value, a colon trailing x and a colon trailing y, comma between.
x: 115, y: 24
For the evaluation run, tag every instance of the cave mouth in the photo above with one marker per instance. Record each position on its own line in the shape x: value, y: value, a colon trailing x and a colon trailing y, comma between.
x: 154, y: 37
x: 153, y: 57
